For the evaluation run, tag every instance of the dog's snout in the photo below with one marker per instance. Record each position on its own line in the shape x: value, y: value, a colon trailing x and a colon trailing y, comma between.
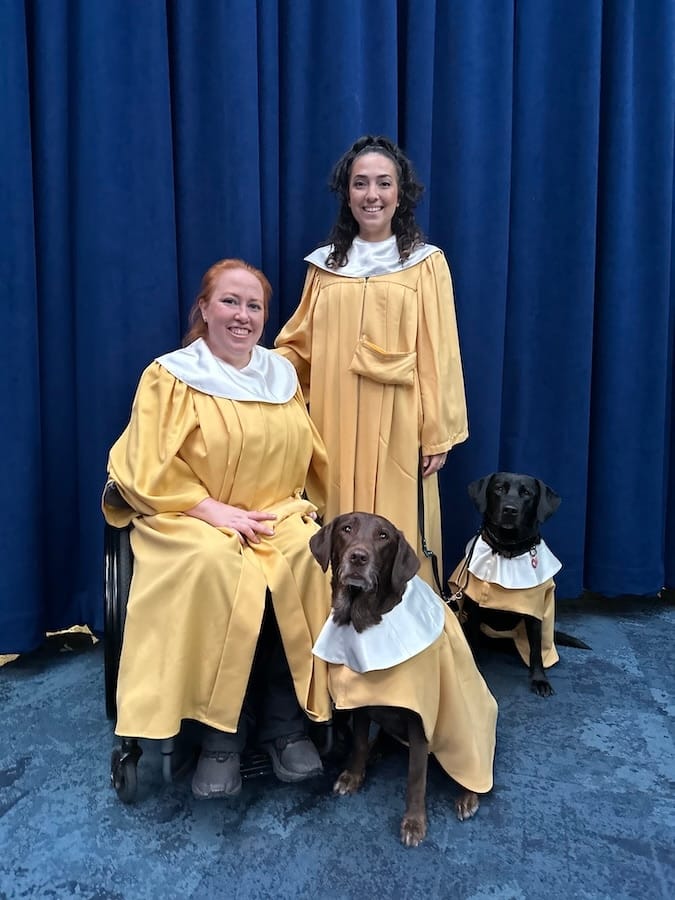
x: 359, y: 556
x: 509, y: 510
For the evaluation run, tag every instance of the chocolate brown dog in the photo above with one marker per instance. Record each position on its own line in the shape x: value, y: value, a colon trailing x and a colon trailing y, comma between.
x: 374, y: 588
x: 505, y: 583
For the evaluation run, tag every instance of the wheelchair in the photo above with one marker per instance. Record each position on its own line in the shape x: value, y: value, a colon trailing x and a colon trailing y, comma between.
x: 118, y: 566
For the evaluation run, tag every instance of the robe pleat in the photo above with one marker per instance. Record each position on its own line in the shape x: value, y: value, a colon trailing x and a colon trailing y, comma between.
x: 379, y: 361
x: 197, y: 595
x: 442, y: 685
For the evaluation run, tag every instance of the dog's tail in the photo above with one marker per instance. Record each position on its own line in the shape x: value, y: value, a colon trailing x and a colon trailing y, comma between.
x: 568, y: 640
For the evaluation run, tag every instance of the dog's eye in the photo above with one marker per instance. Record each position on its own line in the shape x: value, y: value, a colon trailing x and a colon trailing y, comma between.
x: 383, y: 535
x: 524, y: 492
x: 347, y: 528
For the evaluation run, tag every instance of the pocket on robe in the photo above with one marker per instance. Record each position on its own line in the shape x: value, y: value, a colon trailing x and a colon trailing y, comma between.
x: 380, y: 365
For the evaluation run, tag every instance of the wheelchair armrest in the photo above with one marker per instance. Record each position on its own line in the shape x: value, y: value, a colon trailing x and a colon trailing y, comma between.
x: 112, y: 497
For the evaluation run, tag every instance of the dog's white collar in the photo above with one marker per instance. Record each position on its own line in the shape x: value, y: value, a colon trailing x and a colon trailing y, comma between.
x: 410, y: 627
x: 525, y: 571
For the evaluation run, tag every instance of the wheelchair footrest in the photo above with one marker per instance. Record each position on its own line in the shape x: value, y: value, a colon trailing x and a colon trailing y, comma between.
x: 254, y: 763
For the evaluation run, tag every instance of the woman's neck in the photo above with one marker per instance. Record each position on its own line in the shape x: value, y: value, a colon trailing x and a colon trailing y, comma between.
x: 240, y: 361
x: 375, y: 239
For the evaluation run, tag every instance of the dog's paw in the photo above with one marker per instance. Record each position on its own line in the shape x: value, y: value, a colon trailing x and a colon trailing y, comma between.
x: 413, y: 830
x: 467, y: 805
x: 541, y: 687
x: 348, y: 782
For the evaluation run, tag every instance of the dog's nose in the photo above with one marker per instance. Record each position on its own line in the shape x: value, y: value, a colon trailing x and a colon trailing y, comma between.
x: 359, y: 557
x: 510, y: 510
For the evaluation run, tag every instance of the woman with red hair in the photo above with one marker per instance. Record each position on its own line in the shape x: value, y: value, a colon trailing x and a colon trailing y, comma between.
x: 217, y: 464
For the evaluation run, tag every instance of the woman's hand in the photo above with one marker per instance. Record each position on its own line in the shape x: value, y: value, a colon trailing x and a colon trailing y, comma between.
x: 248, y: 523
x: 431, y: 464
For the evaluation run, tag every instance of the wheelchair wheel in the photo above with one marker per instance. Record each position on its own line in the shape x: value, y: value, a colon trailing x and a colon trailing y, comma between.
x: 123, y: 764
x: 118, y: 564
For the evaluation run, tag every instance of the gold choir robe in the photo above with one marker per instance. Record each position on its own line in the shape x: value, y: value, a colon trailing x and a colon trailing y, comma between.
x: 197, y: 595
x: 441, y: 683
x: 512, y: 585
x: 378, y: 359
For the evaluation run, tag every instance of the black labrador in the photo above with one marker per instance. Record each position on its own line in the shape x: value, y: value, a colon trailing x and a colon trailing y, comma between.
x: 371, y: 564
x: 513, y: 507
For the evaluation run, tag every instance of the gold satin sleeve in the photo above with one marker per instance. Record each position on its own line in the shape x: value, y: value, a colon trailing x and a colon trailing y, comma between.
x: 294, y: 341
x: 145, y: 461
x: 439, y: 362
x: 316, y: 486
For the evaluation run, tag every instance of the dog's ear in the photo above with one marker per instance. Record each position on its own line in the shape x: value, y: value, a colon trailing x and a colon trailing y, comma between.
x: 321, y: 543
x: 478, y: 492
x: 549, y: 501
x: 405, y: 564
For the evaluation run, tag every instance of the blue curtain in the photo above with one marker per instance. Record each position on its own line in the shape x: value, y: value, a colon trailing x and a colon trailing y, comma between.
x: 143, y: 141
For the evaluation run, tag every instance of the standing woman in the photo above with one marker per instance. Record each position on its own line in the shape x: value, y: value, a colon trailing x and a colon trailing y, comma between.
x: 374, y: 341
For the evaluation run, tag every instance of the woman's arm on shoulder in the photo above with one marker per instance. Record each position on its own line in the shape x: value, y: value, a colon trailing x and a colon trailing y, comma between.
x: 316, y: 481
x: 294, y: 341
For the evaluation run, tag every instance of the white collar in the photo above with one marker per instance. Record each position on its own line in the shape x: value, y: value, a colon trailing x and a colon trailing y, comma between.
x: 268, y: 378
x: 524, y: 571
x: 367, y: 258
x: 410, y: 627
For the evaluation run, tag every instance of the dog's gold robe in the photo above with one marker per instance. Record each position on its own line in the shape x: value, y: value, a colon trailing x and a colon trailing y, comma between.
x: 442, y: 685
x: 537, y: 601
x: 198, y: 595
x: 378, y: 359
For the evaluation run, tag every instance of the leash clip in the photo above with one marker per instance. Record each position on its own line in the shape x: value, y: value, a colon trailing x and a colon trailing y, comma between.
x: 453, y: 603
x: 456, y: 597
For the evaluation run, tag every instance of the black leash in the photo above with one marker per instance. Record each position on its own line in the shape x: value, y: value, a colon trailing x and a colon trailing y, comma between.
x: 450, y: 601
x: 464, y: 573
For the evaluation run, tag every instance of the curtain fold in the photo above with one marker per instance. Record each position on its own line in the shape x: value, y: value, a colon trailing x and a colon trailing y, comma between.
x: 469, y: 201
x: 22, y: 602
x: 630, y: 423
x: 142, y: 142
x: 550, y: 284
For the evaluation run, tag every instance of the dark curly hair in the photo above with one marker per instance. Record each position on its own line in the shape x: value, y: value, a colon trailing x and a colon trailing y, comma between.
x: 407, y: 231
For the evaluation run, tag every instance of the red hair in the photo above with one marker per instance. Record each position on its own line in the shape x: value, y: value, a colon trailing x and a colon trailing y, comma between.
x: 197, y: 327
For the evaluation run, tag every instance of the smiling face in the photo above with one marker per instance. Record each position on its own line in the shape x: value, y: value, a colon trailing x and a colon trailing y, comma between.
x: 373, y: 195
x: 235, y: 315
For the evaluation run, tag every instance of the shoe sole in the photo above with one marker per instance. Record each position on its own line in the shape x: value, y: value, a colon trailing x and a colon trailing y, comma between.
x: 214, y: 795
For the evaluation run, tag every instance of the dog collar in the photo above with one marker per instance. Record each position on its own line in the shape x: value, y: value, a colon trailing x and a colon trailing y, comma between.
x: 503, y: 548
x: 406, y: 630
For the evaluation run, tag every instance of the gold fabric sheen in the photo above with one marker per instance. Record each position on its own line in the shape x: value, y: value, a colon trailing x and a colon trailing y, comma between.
x: 379, y: 360
x: 538, y: 602
x: 197, y: 595
x: 442, y: 685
